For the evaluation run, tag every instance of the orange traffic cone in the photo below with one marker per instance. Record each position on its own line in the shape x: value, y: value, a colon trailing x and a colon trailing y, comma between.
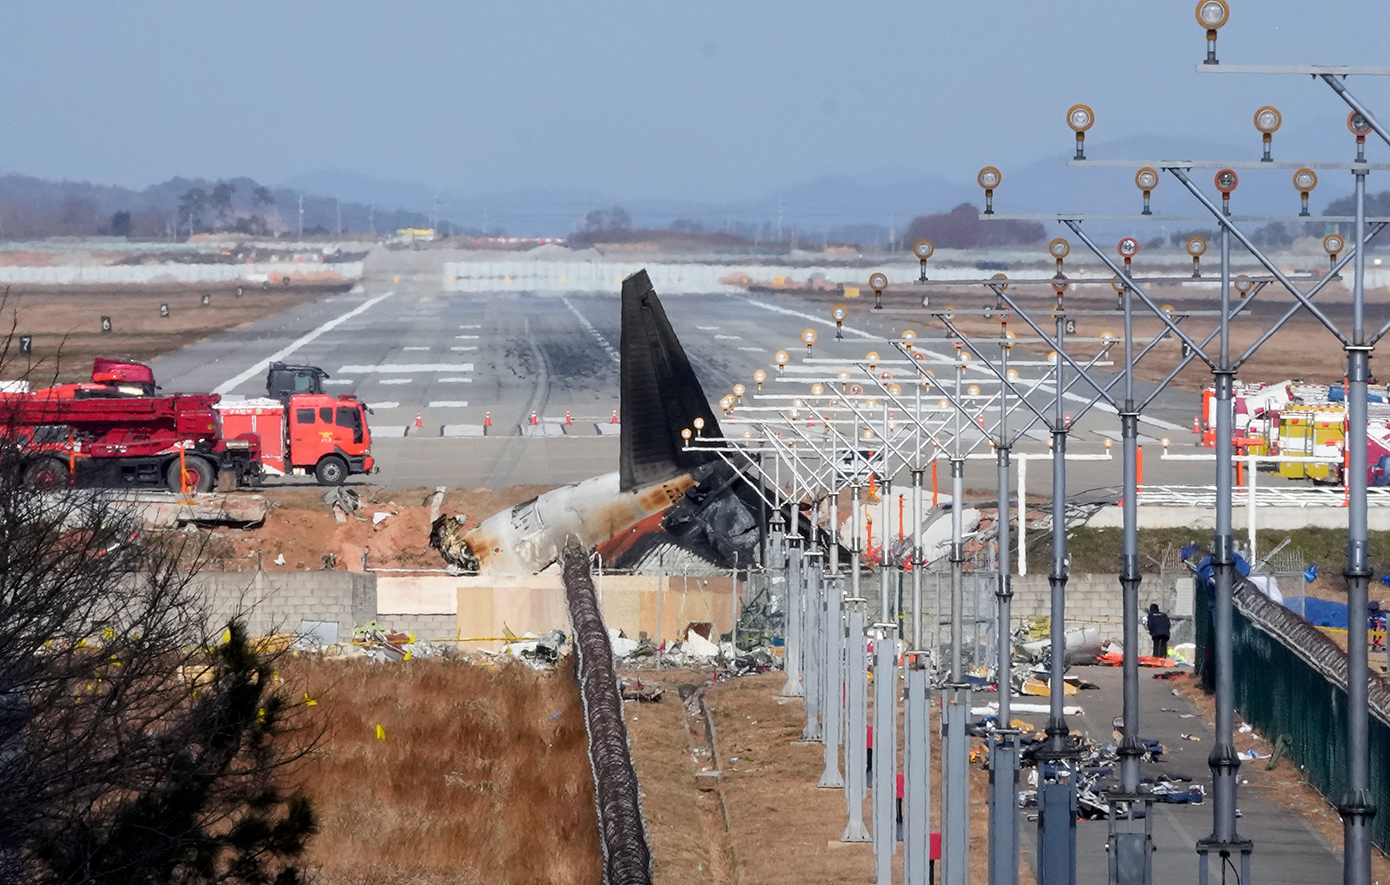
x: 487, y: 419
x: 534, y: 420
x: 568, y: 422
x: 419, y: 420
x: 615, y: 417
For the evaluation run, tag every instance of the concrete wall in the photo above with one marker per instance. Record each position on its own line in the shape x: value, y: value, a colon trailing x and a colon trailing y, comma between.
x: 145, y: 274
x: 479, y: 610
x: 279, y: 601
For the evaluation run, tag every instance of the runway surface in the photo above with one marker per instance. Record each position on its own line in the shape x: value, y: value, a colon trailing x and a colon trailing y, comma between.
x: 454, y: 379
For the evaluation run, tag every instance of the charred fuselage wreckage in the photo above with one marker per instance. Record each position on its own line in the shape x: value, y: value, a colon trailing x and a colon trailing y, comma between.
x: 665, y: 507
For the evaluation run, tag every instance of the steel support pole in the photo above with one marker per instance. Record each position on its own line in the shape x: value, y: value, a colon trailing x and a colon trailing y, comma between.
x: 833, y: 667
x: 886, y: 693
x: 955, y: 814
x: 1357, y: 805
x: 1057, y: 787
x: 1003, y: 757
x: 1223, y: 761
x: 916, y: 721
x: 812, y: 643
x: 856, y: 757
x: 795, y: 600
x: 1130, y: 849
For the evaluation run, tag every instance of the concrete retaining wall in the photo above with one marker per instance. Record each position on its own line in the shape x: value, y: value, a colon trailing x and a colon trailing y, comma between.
x: 280, y: 601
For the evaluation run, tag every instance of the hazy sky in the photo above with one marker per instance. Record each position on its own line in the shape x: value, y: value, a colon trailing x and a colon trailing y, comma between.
x: 715, y: 98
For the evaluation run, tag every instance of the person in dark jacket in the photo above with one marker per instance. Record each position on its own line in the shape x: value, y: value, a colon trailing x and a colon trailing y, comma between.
x: 1158, y: 630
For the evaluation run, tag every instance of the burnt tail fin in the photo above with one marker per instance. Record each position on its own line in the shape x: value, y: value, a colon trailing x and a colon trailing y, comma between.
x: 660, y: 393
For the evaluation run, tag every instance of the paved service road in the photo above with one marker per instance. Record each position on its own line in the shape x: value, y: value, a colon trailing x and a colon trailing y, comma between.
x: 470, y: 370
x: 1288, y: 851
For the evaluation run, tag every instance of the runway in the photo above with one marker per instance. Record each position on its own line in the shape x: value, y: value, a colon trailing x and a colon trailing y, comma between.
x: 453, y: 379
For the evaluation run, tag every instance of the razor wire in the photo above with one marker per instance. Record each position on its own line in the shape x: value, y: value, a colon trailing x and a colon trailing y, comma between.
x: 627, y: 855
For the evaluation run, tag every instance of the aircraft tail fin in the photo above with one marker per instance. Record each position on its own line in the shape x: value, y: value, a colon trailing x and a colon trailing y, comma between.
x: 660, y: 393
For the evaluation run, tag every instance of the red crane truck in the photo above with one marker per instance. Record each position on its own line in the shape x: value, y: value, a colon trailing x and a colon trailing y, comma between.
x: 117, y: 432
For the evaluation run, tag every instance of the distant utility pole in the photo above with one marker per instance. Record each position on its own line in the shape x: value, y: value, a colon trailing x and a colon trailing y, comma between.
x: 339, y: 204
x: 371, y: 219
x: 301, y: 216
x: 779, y: 221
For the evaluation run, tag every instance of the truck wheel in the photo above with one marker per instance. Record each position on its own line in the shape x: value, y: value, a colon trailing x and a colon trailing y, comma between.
x: 46, y: 475
x: 331, y: 471
x: 198, y: 475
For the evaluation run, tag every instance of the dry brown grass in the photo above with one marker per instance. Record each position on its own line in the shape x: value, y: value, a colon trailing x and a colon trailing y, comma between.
x: 483, y: 775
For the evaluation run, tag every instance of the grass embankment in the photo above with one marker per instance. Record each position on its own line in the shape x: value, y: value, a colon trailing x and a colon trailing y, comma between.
x: 477, y: 775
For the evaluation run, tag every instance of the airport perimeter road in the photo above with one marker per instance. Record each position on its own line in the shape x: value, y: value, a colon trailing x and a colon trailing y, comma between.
x: 1288, y: 851
x: 453, y: 378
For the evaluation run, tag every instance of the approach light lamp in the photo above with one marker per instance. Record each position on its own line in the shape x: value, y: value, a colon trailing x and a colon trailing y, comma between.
x: 760, y: 375
x: 1359, y: 127
x: 781, y: 358
x: 1080, y: 117
x: 1226, y: 182
x: 885, y: 376
x: 685, y: 434
x: 838, y: 314
x: 1059, y: 249
x: 809, y: 337
x: 1059, y: 285
x: 1267, y: 120
x: 1108, y: 443
x: 1167, y: 310
x: 726, y: 402
x: 1000, y: 282
x: 1012, y: 375
x: 1128, y: 248
x: 1107, y: 336
x: 923, y: 249
x: 1332, y: 244
x: 1052, y: 357
x: 1243, y: 285
x: 699, y: 423
x: 942, y: 404
x: 872, y: 357
x: 989, y: 179
x: 908, y: 336
x: 1304, y: 180
x: 1212, y: 14
x: 817, y: 389
x: 855, y: 390
x: 966, y: 356
x: 895, y: 390
x: 739, y: 390
x: 1146, y: 180
x: 1117, y: 283
x: 842, y: 376
x: 973, y: 390
x: 1196, y: 247
x: 878, y: 282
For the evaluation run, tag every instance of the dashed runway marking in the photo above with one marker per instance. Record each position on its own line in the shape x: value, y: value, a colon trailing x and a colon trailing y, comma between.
x: 396, y: 381
x: 449, y: 404
x: 404, y: 368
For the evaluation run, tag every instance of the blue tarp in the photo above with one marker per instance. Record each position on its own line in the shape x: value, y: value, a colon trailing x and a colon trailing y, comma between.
x: 1319, y: 612
x: 1336, y: 394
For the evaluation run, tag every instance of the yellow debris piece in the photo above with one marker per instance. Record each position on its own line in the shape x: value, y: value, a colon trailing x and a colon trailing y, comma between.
x: 380, y: 733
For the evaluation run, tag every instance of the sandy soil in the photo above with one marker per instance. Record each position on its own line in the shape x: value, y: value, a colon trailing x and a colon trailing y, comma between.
x: 66, y: 324
x: 302, y: 529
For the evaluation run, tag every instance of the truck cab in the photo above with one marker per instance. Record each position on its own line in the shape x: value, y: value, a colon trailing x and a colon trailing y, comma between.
x: 329, y: 436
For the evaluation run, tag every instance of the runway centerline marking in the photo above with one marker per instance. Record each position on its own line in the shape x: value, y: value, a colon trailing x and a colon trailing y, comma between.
x: 815, y: 319
x: 397, y: 381
x: 261, y: 365
x: 449, y: 404
x: 465, y: 337
x: 455, y: 380
x: 417, y: 347
x: 589, y: 327
x: 465, y: 348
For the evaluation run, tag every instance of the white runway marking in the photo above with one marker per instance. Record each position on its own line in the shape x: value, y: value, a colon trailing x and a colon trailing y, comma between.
x: 465, y: 337
x: 752, y: 349
x: 455, y: 380
x: 812, y: 318
x: 260, y: 365
x: 449, y: 404
x: 464, y: 348
x: 589, y: 327
x: 708, y: 328
x: 390, y: 431
x: 385, y: 405
x: 474, y: 326
x: 397, y: 381
x: 414, y: 348
x: 728, y: 337
x: 339, y: 382
x: 404, y: 368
